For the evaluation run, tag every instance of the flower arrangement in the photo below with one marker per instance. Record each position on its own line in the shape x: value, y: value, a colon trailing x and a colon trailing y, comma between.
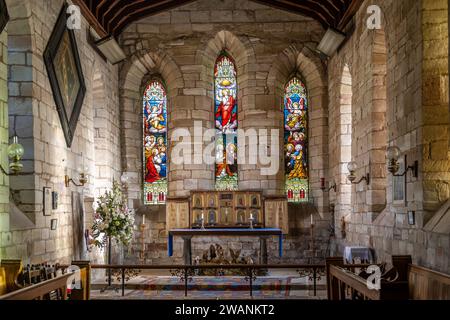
x: 112, y: 218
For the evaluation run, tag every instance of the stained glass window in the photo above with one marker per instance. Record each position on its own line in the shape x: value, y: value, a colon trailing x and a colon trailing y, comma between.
x: 225, y: 108
x: 296, y: 141
x: 155, y: 143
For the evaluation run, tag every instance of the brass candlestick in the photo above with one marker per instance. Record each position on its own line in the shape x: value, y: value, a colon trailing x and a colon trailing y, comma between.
x: 142, y: 229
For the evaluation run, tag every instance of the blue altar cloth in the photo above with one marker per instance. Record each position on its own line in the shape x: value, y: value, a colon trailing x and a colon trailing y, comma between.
x: 226, y: 232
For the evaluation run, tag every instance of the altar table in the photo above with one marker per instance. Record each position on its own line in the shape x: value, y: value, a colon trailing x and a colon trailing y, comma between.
x: 187, y: 235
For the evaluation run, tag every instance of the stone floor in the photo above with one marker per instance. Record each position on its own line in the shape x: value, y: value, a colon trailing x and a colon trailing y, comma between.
x: 277, y: 284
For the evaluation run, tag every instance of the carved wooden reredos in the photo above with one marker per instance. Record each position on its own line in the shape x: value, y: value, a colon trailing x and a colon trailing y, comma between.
x: 227, y: 209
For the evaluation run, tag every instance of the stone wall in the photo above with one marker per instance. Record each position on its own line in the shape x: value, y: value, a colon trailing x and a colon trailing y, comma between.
x: 4, y: 180
x: 38, y: 127
x: 181, y: 46
x: 399, y: 97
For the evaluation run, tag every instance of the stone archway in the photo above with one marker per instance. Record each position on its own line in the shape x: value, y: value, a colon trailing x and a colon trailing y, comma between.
x: 133, y: 75
x: 302, y: 61
x: 243, y: 54
x: 344, y: 141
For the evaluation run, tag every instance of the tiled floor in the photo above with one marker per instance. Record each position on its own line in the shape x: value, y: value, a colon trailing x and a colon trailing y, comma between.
x: 278, y: 284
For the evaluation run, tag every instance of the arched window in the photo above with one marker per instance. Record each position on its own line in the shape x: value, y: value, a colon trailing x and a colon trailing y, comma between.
x: 225, y: 109
x: 155, y: 143
x: 296, y: 140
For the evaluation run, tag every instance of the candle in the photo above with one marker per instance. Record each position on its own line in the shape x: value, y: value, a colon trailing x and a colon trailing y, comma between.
x: 251, y: 216
x: 143, y: 218
x: 203, y: 217
x: 312, y: 221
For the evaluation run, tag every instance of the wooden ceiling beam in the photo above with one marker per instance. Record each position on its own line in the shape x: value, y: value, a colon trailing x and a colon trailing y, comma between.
x: 91, y: 19
x: 349, y: 13
x: 125, y: 8
x: 110, y: 17
x: 118, y: 27
x: 302, y: 9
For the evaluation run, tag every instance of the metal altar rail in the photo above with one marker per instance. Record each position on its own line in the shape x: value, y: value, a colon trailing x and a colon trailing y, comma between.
x: 314, y: 272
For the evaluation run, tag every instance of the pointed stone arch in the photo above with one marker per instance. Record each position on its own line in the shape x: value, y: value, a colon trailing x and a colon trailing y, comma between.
x: 344, y: 140
x: 242, y: 52
x: 302, y: 61
x: 133, y: 77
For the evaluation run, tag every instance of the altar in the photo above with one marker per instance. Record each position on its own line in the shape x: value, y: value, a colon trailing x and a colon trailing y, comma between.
x: 262, y: 233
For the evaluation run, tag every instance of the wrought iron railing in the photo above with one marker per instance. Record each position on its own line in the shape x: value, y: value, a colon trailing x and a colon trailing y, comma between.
x: 186, y: 273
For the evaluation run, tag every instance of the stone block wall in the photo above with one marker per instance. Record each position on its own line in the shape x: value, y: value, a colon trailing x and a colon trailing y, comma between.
x: 5, y: 238
x: 399, y: 97
x: 180, y: 46
x: 38, y: 126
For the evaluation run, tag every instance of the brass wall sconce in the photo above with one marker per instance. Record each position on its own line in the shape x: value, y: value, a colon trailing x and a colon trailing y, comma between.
x: 352, y: 167
x: 15, y: 154
x: 392, y: 156
x: 82, y: 180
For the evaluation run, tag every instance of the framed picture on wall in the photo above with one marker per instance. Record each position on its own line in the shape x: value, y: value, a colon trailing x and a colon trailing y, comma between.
x: 47, y: 203
x: 53, y: 224
x: 65, y: 74
x: 4, y: 16
x: 399, y: 186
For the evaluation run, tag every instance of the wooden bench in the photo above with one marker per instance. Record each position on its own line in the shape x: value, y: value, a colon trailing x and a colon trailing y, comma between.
x: 14, y: 278
x: 41, y: 290
x: 411, y: 282
x: 426, y: 284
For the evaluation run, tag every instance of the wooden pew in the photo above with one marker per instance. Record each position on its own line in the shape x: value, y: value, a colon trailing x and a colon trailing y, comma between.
x: 340, y: 281
x: 411, y: 282
x: 3, y: 288
x: 40, y: 290
x: 12, y: 271
x: 85, y: 273
x: 426, y: 284
x: 14, y: 277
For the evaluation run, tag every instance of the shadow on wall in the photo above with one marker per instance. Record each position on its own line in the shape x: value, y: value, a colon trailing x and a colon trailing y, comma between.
x: 299, y: 216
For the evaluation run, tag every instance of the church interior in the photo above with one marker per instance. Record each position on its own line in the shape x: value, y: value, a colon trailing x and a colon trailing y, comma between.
x: 220, y: 149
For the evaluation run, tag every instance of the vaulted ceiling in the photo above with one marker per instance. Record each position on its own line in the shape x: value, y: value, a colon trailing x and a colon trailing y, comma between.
x: 110, y: 17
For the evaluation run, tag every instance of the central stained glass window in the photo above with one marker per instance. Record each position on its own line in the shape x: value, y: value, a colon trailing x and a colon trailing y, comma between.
x: 155, y: 143
x: 296, y: 141
x: 226, y: 121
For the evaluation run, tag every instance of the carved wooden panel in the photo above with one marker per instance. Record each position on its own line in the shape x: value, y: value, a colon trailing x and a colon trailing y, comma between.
x: 226, y: 209
x: 177, y: 214
x: 276, y: 212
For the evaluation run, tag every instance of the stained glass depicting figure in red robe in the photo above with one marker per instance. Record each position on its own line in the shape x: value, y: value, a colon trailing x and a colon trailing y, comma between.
x: 225, y: 102
x: 155, y: 143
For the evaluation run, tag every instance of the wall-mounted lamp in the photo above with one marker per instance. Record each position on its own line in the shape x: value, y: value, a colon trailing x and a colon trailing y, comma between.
x: 392, y: 156
x: 352, y: 167
x: 82, y: 178
x: 15, y: 154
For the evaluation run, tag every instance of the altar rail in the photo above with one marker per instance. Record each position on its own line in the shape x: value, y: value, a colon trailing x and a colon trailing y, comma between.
x: 186, y: 273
